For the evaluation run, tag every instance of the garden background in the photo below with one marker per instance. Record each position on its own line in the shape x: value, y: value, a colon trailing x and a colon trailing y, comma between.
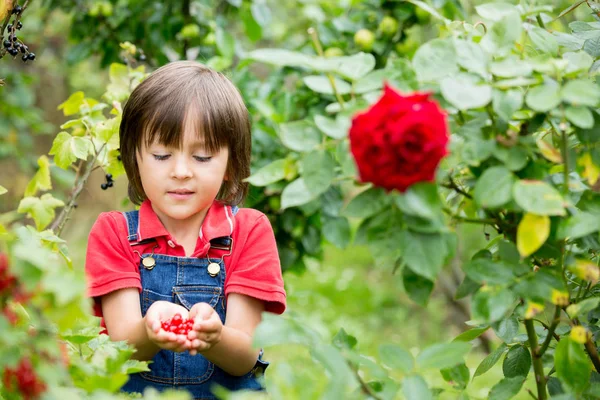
x: 376, y: 285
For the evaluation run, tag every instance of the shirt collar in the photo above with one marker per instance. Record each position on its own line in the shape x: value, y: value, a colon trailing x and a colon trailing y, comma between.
x: 219, y: 222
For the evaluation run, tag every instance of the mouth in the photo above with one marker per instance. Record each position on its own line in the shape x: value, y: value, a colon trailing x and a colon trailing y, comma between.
x: 181, y: 192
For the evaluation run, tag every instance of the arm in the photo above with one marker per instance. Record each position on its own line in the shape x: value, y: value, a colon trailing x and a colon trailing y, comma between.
x: 229, y: 346
x: 124, y: 321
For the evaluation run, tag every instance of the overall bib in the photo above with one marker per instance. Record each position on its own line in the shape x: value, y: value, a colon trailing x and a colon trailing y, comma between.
x: 185, y: 281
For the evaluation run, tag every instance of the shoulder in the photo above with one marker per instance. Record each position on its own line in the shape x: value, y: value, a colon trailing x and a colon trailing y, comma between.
x: 250, y: 216
x: 109, y: 222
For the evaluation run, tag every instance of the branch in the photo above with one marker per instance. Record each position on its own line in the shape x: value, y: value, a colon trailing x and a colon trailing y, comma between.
x: 486, y: 221
x: 538, y: 367
x: 59, y: 223
x: 551, y: 329
x: 315, y: 39
x: 364, y: 387
x: 593, y: 353
x: 452, y: 185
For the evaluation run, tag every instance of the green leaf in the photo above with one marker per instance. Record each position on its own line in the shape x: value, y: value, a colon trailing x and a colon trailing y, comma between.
x: 506, y: 102
x: 511, y: 67
x: 471, y: 334
x: 583, y: 307
x: 517, y: 362
x: 488, y: 271
x: 342, y: 340
x: 3, y: 189
x: 435, y: 60
x: 108, y: 131
x: 458, y: 376
x: 72, y: 104
x: 532, y: 232
x: 443, y: 355
x: 67, y: 148
x: 580, y: 92
x: 491, y: 304
x: 538, y: 197
x: 415, y: 387
x: 494, y: 187
x: 503, y: 33
x: 578, y: 225
x: 543, y: 40
x: 261, y: 13
x: 225, y: 43
x: 366, y: 203
x: 416, y: 287
x: 318, y: 171
x: 544, y: 97
x: 514, y: 158
x: 337, y: 231
x: 396, y: 358
x: 336, y: 129
x: 490, y: 360
x: 321, y: 84
x: 41, y: 180
x: 507, y: 388
x: 270, y: 173
x: 372, y: 81
x: 495, y: 11
x: 572, y: 365
x: 471, y: 57
x: 580, y: 116
x: 422, y: 200
x: 40, y: 209
x: 464, y: 91
x: 577, y: 62
x: 296, y: 194
x: 506, y: 329
x: 423, y: 253
x: 276, y: 330
x: 352, y: 67
x: 299, y: 135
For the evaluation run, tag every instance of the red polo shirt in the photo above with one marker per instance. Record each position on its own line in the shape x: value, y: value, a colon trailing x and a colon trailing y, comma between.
x: 252, y: 268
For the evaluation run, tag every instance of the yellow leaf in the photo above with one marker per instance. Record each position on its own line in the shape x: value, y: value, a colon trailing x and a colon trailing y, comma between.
x: 533, y: 309
x: 586, y: 270
x: 5, y: 7
x: 590, y: 170
x: 560, y: 298
x: 532, y: 232
x: 579, y: 334
x: 549, y: 152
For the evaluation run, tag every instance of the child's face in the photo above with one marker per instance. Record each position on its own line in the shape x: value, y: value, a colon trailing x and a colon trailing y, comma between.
x: 181, y: 183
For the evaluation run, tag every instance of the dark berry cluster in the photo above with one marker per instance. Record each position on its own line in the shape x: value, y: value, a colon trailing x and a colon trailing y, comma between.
x: 24, y: 380
x: 178, y: 325
x: 13, y: 45
x: 109, y: 182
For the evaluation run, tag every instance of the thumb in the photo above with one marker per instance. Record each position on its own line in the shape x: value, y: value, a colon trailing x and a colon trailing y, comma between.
x: 201, y: 311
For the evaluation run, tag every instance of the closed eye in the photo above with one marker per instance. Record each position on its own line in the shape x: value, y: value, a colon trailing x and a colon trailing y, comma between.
x: 161, y: 157
x: 202, y: 159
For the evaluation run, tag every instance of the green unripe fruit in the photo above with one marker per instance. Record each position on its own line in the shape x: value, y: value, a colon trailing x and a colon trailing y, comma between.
x: 334, y: 52
x: 422, y: 16
x: 107, y: 9
x: 190, y: 31
x: 388, y: 26
x: 364, y: 39
x: 209, y: 39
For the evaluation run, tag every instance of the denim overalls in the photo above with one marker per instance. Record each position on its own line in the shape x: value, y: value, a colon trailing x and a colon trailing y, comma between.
x: 185, y: 281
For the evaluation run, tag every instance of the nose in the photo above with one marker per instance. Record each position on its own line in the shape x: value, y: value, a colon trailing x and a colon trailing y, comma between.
x: 181, y: 168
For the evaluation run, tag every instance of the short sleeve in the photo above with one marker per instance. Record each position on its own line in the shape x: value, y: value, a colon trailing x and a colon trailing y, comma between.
x: 109, y: 265
x: 257, y: 270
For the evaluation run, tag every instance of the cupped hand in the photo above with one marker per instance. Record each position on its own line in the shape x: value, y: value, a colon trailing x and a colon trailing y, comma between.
x: 207, y: 328
x: 161, y: 311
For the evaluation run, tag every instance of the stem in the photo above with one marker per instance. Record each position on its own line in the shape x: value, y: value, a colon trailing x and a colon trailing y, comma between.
x: 593, y: 353
x: 538, y: 18
x: 547, y: 328
x: 452, y: 185
x: 317, y: 43
x: 531, y: 394
x: 59, y: 223
x: 565, y: 157
x: 487, y: 221
x: 538, y: 368
x: 553, y: 326
x: 364, y: 387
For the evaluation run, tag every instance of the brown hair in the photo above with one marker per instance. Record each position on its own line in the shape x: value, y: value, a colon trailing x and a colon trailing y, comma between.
x: 158, y: 108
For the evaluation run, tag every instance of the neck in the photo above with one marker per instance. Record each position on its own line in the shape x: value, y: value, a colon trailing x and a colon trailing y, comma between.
x: 183, y: 229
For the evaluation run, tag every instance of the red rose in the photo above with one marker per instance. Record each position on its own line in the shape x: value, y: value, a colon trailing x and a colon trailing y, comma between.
x: 400, y: 140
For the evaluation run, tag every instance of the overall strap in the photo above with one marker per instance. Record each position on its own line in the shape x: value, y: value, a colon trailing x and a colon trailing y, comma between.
x: 133, y: 225
x: 224, y: 242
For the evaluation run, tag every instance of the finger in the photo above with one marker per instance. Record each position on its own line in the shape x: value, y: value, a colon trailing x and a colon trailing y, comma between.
x: 201, y: 311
